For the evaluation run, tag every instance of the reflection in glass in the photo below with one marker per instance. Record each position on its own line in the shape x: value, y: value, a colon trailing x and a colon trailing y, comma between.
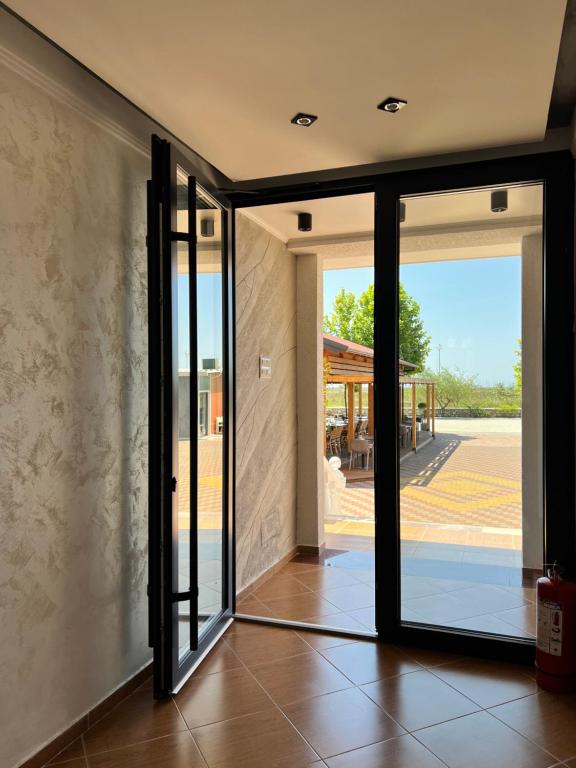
x: 182, y: 342
x: 207, y: 284
x: 181, y: 200
x: 470, y: 410
x: 210, y: 408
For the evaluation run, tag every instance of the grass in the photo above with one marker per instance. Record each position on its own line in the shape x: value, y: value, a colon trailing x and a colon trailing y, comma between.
x: 503, y: 398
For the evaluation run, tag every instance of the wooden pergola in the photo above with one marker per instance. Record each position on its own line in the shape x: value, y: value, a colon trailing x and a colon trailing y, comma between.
x: 430, y: 413
x: 349, y: 363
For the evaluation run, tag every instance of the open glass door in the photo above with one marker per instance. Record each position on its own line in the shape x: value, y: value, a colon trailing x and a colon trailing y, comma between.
x: 188, y: 431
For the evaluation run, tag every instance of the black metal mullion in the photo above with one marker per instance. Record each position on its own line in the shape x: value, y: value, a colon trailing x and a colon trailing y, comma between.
x: 167, y: 420
x: 386, y: 478
x: 558, y: 352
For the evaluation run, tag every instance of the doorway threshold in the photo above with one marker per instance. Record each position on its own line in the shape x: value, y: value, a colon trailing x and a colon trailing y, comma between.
x: 306, y: 627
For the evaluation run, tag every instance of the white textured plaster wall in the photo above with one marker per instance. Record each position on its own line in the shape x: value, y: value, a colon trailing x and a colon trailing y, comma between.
x: 266, y: 427
x: 73, y: 415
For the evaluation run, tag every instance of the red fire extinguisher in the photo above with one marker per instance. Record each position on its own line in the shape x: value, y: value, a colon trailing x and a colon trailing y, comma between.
x: 556, y: 632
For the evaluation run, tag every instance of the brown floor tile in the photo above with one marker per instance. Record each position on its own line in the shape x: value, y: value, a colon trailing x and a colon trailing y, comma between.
x: 220, y: 658
x: 78, y: 763
x: 366, y: 662
x: 366, y: 617
x: 350, y: 598
x: 522, y: 619
x: 341, y: 721
x: 251, y: 606
x: 299, y: 607
x: 281, y: 585
x: 326, y: 578
x: 340, y: 621
x: 137, y: 718
x: 488, y: 683
x: 220, y: 696
x: 295, y: 568
x: 240, y: 627
x: 401, y: 752
x: 74, y: 751
x: 260, y: 740
x: 177, y: 751
x: 320, y: 641
x: 419, y: 699
x: 478, y: 741
x: 300, y: 677
x: 428, y: 657
x: 268, y: 644
x: 548, y: 720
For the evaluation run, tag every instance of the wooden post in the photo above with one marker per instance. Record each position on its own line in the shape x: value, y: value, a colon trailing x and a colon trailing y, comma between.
x: 371, y: 409
x: 413, y: 415
x: 360, y: 399
x: 350, y: 414
x: 433, y: 410
x: 428, y: 403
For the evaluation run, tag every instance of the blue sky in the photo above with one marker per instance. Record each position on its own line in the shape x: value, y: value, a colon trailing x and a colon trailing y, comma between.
x: 470, y: 307
x: 209, y: 297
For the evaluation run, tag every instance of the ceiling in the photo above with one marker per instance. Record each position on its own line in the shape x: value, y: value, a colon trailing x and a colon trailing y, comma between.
x: 226, y: 77
x: 457, y: 225
x: 337, y: 217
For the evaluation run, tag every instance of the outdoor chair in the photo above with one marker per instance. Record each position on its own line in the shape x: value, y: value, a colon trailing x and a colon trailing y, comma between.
x: 334, y: 441
x: 405, y: 436
x: 362, y: 449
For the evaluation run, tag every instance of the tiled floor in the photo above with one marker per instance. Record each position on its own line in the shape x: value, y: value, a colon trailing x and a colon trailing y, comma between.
x: 337, y: 591
x: 273, y: 698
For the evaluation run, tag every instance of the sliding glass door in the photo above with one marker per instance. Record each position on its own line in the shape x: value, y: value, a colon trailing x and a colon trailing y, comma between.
x: 188, y: 588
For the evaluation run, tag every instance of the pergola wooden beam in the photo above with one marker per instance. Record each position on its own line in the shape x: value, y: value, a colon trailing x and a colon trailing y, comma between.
x: 350, y: 387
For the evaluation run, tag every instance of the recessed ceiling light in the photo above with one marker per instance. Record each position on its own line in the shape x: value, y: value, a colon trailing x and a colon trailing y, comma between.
x: 392, y: 105
x: 499, y: 201
x: 303, y: 119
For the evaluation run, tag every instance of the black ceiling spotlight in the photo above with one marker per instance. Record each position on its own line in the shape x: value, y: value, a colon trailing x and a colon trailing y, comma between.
x: 499, y: 201
x: 303, y: 119
x: 305, y: 222
x: 402, y: 211
x: 392, y: 105
x: 207, y: 227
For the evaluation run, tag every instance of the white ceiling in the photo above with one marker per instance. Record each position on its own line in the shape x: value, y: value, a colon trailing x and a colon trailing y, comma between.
x: 335, y: 217
x: 227, y: 76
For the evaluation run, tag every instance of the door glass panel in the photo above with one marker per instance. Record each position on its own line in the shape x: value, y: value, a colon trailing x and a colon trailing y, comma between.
x: 305, y: 393
x: 471, y: 408
x: 209, y: 297
x: 181, y: 342
x: 181, y: 200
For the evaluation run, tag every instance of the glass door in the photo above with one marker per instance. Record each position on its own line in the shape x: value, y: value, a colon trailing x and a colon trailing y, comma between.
x: 188, y: 593
x: 477, y: 304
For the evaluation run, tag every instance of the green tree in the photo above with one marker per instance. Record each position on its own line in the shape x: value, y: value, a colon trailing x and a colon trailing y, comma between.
x: 352, y: 318
x: 414, y: 341
x: 454, y: 388
x: 518, y: 366
x: 339, y: 323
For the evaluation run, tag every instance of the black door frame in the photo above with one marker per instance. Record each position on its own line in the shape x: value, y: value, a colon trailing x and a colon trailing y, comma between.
x: 169, y: 671
x: 555, y: 170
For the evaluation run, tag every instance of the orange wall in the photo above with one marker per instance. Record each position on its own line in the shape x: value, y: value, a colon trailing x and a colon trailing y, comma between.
x: 216, y: 402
